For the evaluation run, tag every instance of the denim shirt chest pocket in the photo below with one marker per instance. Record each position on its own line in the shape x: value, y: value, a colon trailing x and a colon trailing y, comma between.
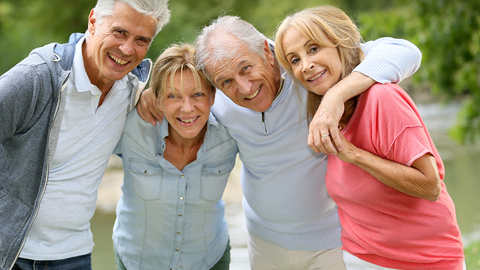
x: 214, y: 177
x: 146, y: 178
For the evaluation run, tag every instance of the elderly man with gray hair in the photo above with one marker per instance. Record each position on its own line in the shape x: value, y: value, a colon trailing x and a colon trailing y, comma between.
x: 291, y: 220
x: 62, y: 111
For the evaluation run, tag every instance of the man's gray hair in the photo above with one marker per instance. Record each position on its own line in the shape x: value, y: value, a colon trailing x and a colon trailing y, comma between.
x: 158, y: 9
x: 212, y: 48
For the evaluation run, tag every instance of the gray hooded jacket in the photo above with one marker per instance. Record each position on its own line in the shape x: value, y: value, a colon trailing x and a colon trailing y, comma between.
x: 31, y: 108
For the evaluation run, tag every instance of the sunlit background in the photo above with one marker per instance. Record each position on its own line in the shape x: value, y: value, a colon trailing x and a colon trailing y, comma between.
x: 446, y: 88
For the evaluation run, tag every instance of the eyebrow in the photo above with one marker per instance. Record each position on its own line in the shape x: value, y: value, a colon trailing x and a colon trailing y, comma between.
x: 221, y: 78
x: 118, y: 28
x: 304, y: 45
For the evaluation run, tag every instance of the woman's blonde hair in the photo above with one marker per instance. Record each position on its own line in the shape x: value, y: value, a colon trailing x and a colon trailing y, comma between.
x: 176, y: 58
x: 314, y: 23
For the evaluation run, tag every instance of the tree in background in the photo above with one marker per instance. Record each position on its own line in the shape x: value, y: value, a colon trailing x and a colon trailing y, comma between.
x: 448, y: 34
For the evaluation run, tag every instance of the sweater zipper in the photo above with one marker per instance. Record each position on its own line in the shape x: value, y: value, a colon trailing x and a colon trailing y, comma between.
x: 46, y: 177
x: 263, y: 121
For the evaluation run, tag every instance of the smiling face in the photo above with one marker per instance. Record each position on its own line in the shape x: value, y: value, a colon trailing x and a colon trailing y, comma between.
x: 187, y: 106
x: 117, y: 45
x: 317, y: 68
x: 247, y: 79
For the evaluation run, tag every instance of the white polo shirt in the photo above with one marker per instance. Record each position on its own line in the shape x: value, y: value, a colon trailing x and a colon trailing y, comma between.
x: 87, y: 138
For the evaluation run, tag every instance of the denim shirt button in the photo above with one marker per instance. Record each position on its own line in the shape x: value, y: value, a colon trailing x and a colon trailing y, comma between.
x: 181, y: 198
x: 178, y: 232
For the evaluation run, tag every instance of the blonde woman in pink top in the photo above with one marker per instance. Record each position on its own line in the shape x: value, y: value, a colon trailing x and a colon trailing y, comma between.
x: 388, y: 179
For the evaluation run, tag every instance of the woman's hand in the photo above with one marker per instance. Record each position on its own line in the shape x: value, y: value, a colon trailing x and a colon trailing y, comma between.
x: 147, y: 107
x: 325, y: 122
x: 420, y: 180
x: 349, y: 152
x: 326, y: 119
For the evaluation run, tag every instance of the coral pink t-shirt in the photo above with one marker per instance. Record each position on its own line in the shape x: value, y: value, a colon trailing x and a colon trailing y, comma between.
x: 380, y: 224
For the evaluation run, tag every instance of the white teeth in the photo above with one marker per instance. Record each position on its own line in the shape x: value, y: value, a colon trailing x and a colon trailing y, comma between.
x: 188, y: 120
x: 118, y: 61
x: 318, y: 76
x: 254, y: 94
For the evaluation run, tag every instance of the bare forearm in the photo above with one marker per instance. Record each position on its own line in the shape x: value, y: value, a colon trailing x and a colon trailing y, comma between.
x: 352, y: 85
x: 327, y: 117
x: 409, y: 180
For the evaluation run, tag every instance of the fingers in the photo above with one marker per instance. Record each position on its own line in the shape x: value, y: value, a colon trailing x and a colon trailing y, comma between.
x: 144, y: 112
x: 335, y: 135
x: 323, y: 142
x: 156, y: 112
x: 148, y: 109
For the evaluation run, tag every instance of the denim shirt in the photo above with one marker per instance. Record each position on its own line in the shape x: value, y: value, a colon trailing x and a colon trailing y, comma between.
x: 166, y: 218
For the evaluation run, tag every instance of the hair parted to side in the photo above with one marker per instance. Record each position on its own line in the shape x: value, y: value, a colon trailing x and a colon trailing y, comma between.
x: 176, y: 58
x: 158, y: 9
x: 341, y: 31
x: 212, y: 48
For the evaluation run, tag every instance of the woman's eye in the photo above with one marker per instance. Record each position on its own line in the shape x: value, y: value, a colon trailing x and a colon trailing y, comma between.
x: 199, y: 94
x: 294, y: 61
x: 313, y: 49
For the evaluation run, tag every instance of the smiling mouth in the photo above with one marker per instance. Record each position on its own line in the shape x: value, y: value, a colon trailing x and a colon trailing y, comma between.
x: 188, y: 121
x: 254, y: 94
x: 117, y: 60
x: 318, y: 76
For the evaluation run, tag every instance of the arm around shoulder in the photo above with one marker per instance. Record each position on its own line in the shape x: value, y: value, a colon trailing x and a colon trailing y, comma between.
x: 389, y: 60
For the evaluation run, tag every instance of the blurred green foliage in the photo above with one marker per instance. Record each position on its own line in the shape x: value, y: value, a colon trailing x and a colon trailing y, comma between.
x: 472, y: 256
x: 447, y: 33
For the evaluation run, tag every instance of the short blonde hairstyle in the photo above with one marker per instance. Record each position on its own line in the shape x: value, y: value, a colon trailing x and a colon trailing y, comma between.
x: 176, y: 58
x: 333, y: 23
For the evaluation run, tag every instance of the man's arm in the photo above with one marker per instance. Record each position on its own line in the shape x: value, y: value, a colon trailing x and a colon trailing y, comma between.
x: 386, y: 60
x: 19, y: 100
x: 147, y: 107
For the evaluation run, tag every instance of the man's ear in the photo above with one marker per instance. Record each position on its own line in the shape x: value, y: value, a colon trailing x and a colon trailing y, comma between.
x: 269, y: 54
x: 92, y: 22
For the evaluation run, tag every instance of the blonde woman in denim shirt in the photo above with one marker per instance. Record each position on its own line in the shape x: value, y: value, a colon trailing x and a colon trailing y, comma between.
x: 171, y: 215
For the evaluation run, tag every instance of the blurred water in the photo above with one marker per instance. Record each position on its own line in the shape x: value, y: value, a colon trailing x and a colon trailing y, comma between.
x: 462, y: 168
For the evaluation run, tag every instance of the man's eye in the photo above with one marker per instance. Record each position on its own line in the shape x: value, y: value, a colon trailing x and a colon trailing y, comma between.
x: 142, y: 42
x: 245, y: 68
x: 119, y: 32
x: 225, y: 82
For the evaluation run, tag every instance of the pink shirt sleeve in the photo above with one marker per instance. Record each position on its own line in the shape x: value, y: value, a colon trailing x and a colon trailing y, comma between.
x: 399, y: 131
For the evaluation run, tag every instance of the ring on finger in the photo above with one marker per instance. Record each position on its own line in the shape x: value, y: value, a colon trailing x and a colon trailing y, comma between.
x: 324, y: 136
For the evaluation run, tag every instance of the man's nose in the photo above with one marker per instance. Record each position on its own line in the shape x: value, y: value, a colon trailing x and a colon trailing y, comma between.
x: 244, y: 86
x: 127, y: 47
